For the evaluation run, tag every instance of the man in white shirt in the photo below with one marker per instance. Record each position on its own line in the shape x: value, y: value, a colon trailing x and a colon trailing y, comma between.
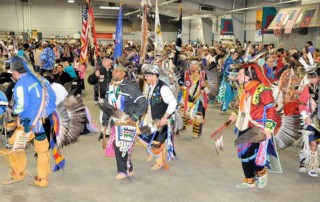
x: 161, y: 106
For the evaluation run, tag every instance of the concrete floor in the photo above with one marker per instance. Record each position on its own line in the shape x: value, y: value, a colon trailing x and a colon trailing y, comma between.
x: 199, y: 174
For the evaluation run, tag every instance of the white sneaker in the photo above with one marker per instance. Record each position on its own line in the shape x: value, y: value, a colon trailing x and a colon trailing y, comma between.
x: 245, y: 185
x: 313, y: 173
x: 302, y: 170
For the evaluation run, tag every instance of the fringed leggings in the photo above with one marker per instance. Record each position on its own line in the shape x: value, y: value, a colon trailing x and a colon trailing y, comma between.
x: 122, y: 165
x: 197, y: 125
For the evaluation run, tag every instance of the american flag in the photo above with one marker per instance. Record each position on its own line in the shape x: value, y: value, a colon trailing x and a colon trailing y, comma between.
x: 84, y: 33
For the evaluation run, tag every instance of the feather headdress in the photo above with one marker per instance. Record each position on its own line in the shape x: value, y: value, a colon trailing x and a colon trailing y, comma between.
x: 253, y: 64
x: 311, y: 67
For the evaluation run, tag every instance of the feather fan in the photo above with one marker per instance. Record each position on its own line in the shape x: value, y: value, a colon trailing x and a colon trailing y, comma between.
x: 251, y: 136
x: 69, y: 119
x: 113, y: 112
x: 289, y: 131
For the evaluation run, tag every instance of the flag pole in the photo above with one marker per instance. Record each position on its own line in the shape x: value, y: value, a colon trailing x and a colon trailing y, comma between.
x: 118, y: 36
x: 179, y: 38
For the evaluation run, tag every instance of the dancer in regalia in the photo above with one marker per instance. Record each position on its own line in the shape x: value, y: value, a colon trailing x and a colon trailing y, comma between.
x: 123, y: 96
x: 256, y: 117
x: 195, y: 88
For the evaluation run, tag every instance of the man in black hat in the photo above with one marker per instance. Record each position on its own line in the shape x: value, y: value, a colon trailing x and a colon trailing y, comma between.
x: 101, y: 79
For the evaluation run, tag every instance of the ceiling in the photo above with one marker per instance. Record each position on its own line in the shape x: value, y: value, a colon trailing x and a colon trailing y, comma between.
x: 190, y: 7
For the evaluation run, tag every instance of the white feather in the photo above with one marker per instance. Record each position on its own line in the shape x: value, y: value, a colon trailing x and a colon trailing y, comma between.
x: 311, y: 62
x: 304, y: 64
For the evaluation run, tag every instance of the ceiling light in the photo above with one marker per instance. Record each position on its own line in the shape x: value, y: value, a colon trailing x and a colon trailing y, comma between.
x: 70, y: 1
x: 110, y: 7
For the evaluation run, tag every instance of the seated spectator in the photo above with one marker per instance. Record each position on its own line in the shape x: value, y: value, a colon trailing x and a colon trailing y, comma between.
x: 69, y: 69
x: 61, y: 76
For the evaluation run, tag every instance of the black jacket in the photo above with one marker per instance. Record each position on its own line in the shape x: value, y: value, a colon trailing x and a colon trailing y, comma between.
x: 103, y: 81
x: 63, y: 78
x: 135, y: 103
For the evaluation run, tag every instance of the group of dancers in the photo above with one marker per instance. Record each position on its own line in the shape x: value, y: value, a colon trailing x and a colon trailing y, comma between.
x: 273, y: 94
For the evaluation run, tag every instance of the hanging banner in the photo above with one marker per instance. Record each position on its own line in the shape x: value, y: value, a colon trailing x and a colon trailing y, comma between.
x: 293, y: 16
x: 258, y: 32
x: 268, y: 14
x: 107, y: 36
x: 307, y: 17
x: 226, y: 27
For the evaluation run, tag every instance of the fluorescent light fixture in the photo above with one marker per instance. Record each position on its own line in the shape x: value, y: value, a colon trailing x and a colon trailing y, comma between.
x: 133, y: 12
x: 70, y: 1
x: 110, y: 7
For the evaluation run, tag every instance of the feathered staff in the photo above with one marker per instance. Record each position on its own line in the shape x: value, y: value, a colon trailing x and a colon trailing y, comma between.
x: 158, y: 42
x: 5, y: 49
x: 146, y: 40
x: 14, y: 42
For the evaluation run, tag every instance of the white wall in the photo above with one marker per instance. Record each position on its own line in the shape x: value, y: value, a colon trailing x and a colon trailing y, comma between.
x: 207, y: 31
x: 238, y: 26
x: 196, y: 30
x: 51, y: 17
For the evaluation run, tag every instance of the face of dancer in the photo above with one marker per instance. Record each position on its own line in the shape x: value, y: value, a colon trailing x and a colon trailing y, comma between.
x: 194, y: 67
x: 16, y: 75
x: 151, y: 78
x: 314, y: 80
x: 235, y: 56
x: 241, y: 77
x: 118, y: 75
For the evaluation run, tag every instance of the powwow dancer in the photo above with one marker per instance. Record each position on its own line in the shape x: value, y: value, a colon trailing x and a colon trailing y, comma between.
x: 308, y: 107
x: 124, y: 97
x: 194, y: 86
x: 34, y: 100
x: 161, y: 106
x: 256, y: 115
x: 226, y: 92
